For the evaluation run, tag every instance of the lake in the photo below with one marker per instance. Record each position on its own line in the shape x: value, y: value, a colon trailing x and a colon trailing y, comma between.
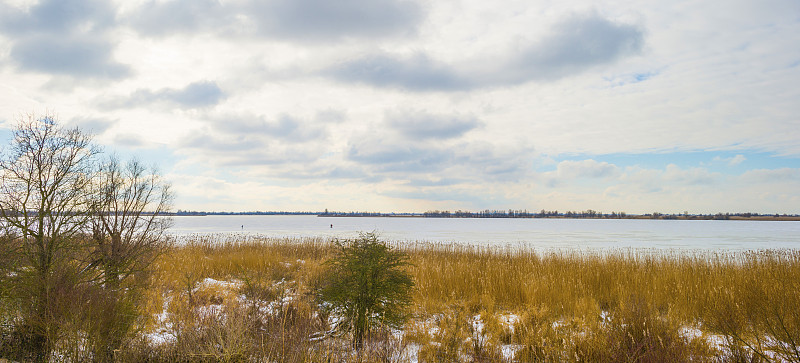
x: 584, y: 234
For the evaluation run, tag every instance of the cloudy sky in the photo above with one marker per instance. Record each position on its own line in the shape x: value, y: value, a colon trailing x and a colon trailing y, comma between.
x: 403, y: 105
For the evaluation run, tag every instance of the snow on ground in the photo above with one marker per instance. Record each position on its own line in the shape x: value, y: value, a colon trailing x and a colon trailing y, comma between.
x: 690, y: 332
x: 720, y: 343
x: 162, y: 333
x: 477, y: 325
x: 431, y: 325
x: 509, y: 350
x: 411, y: 353
x: 209, y: 283
x: 509, y: 321
x: 211, y: 311
x: 605, y: 317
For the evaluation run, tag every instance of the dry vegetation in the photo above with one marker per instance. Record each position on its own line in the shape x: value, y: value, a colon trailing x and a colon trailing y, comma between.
x: 239, y: 298
x: 252, y: 300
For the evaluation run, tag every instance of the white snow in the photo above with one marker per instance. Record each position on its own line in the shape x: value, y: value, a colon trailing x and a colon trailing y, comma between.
x: 223, y: 285
x: 162, y: 334
x: 510, y: 349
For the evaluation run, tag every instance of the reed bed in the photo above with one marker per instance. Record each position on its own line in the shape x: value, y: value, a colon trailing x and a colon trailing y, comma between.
x: 479, y: 304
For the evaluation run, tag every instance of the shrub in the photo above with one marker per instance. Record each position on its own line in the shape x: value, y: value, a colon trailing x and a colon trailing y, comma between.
x: 366, y: 286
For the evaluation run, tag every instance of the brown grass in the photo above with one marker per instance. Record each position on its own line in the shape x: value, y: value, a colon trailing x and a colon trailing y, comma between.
x: 474, y: 303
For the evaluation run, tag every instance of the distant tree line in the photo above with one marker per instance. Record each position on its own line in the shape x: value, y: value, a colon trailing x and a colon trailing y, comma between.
x: 592, y: 214
x: 512, y: 213
x: 256, y: 213
x: 326, y: 213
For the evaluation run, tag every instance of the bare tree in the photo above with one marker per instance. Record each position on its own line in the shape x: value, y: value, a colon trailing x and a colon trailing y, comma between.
x: 130, y: 206
x: 130, y: 214
x: 46, y: 178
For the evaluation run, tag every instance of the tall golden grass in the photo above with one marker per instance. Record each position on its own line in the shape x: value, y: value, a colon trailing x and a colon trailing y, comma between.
x: 625, y: 305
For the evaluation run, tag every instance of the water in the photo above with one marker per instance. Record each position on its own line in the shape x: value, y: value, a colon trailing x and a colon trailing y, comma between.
x: 531, y: 233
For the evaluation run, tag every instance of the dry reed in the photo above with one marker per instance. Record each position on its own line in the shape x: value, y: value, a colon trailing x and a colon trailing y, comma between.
x: 487, y: 304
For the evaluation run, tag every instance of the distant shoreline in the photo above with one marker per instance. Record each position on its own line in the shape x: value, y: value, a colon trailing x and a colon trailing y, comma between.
x: 690, y: 218
x: 567, y: 215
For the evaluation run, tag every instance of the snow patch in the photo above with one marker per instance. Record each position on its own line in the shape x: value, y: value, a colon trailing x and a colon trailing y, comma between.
x: 509, y: 321
x: 477, y: 324
x: 222, y: 285
x: 162, y: 333
x: 509, y: 350
x: 605, y: 318
x: 411, y: 353
x: 690, y: 333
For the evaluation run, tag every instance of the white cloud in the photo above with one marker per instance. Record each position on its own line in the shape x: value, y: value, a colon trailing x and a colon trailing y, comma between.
x: 297, y: 20
x: 575, y: 45
x: 673, y: 174
x: 194, y: 95
x: 65, y: 38
x: 419, y: 104
x: 572, y: 170
x: 736, y: 160
x: 586, y: 169
x: 420, y: 125
x: 770, y: 176
x: 733, y: 160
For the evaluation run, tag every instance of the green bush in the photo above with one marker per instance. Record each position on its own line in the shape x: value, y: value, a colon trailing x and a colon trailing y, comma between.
x: 367, y: 286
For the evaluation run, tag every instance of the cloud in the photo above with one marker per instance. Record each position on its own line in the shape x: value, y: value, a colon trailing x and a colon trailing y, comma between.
x: 485, y: 161
x: 631, y: 78
x: 634, y: 178
x: 736, y: 160
x: 771, y: 175
x: 93, y: 125
x: 732, y: 161
x: 586, y: 169
x: 57, y: 17
x: 672, y: 177
x: 417, y: 73
x: 129, y: 140
x: 575, y: 45
x: 326, y: 20
x: 674, y: 174
x: 66, y: 38
x: 409, y: 143
x: 298, y: 20
x: 283, y: 143
x: 431, y: 182
x: 319, y: 171
x: 219, y: 149
x: 437, y: 195
x: 76, y: 56
x: 637, y: 180
x: 285, y: 127
x: 389, y: 156
x: 423, y: 125
x: 162, y: 18
x: 209, y: 142
x: 408, y: 160
x: 209, y: 148
x: 571, y: 170
x: 195, y: 95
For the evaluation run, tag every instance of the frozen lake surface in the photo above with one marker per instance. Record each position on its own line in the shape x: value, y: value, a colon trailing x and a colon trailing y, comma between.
x: 532, y: 233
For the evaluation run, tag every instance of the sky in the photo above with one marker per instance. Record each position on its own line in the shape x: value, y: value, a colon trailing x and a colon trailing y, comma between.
x: 409, y: 106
